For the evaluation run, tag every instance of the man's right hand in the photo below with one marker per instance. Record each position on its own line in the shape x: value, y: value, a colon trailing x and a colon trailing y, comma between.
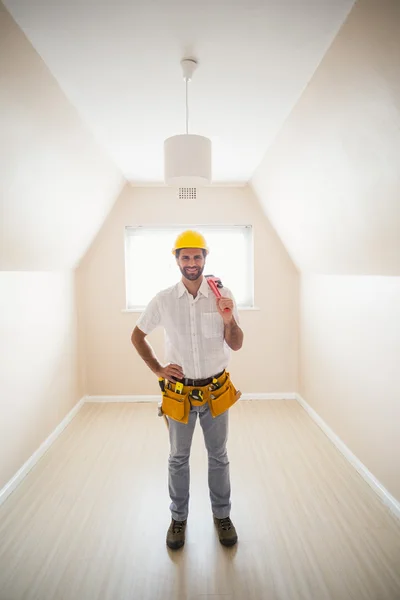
x: 171, y: 372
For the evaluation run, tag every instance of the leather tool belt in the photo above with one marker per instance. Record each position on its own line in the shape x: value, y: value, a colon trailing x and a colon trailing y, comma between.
x: 219, y: 392
x: 199, y: 382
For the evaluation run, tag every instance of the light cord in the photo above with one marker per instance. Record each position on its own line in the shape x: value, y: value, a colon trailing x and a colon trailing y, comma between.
x: 187, y: 105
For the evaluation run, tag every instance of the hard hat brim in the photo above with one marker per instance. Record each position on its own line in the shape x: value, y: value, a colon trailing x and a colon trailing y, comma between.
x: 192, y: 247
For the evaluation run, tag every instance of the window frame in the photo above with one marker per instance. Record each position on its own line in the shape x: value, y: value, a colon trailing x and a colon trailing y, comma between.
x: 129, y: 229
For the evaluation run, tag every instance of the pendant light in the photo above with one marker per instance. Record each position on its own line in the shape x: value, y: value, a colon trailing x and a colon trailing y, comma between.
x: 187, y: 157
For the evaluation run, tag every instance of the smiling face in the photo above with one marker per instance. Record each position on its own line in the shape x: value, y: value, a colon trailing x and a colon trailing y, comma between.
x: 191, y: 262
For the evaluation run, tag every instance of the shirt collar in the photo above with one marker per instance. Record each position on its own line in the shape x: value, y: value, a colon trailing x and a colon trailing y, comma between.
x: 203, y: 289
x: 181, y: 289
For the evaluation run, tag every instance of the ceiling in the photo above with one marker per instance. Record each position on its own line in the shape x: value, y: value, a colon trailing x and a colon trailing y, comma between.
x: 118, y: 64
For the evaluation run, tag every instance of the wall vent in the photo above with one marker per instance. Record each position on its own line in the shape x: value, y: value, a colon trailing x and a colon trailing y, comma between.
x: 187, y: 193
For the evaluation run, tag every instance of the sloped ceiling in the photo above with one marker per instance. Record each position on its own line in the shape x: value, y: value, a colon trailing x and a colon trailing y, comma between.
x: 330, y: 183
x: 56, y: 184
x: 118, y: 63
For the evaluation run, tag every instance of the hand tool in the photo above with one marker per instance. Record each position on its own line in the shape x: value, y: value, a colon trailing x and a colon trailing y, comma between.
x: 196, y: 395
x: 216, y: 384
x: 161, y: 383
x: 178, y: 387
x: 215, y: 283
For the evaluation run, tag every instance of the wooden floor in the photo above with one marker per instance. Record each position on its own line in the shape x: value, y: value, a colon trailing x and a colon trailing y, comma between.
x: 89, y: 521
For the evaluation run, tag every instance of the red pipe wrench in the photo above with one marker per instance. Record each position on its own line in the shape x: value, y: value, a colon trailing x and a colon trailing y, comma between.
x: 215, y: 283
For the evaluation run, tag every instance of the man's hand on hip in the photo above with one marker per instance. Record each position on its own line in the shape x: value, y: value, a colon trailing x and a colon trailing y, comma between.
x: 171, y: 372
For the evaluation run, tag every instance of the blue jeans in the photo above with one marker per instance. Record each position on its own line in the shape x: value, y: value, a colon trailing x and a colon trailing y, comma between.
x: 215, y: 432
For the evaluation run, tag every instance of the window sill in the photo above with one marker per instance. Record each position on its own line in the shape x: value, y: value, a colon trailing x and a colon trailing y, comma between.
x: 140, y: 310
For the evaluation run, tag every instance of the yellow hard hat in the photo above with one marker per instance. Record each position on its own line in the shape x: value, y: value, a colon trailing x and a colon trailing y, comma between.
x: 190, y: 239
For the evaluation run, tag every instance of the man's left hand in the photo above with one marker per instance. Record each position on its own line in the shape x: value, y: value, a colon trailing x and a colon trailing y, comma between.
x: 222, y: 304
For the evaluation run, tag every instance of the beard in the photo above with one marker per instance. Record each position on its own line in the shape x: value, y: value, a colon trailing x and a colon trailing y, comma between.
x: 193, y: 275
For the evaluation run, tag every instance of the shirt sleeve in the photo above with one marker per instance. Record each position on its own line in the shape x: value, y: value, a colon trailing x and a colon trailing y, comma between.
x: 150, y: 317
x: 228, y: 294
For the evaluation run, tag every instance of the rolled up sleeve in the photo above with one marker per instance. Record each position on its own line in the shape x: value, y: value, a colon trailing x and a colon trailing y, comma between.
x: 150, y: 317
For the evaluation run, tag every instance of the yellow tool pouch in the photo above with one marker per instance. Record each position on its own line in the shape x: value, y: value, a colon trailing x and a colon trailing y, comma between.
x: 224, y: 397
x: 177, y: 406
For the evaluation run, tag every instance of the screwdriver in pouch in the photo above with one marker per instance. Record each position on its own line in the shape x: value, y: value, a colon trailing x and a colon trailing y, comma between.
x: 216, y: 383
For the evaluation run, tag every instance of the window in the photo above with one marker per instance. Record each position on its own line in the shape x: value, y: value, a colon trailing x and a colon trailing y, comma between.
x: 150, y: 265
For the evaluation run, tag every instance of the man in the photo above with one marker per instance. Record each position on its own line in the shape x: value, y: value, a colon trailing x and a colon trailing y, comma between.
x: 200, y: 331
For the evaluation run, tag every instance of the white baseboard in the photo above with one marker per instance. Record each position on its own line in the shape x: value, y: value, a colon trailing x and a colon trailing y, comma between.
x: 31, y: 462
x: 156, y: 398
x: 382, y: 492
x: 11, y: 485
x: 269, y: 396
x: 138, y: 398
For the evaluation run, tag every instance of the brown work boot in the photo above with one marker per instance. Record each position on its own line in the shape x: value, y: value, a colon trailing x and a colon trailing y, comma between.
x: 176, y: 534
x: 226, y: 531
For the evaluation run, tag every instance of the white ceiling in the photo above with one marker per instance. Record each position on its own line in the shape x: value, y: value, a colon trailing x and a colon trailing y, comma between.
x: 118, y: 63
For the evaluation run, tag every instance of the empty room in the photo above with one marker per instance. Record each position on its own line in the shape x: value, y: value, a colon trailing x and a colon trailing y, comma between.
x: 200, y: 300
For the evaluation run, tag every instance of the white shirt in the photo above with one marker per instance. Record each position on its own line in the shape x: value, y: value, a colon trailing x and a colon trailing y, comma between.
x: 194, y: 330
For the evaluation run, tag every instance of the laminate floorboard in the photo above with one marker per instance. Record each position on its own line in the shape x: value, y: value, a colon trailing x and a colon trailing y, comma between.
x: 89, y: 521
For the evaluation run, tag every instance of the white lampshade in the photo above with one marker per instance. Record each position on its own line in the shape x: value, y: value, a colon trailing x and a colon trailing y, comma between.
x: 187, y: 160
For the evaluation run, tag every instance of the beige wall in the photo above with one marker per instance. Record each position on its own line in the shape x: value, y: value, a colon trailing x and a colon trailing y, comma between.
x: 350, y: 365
x: 268, y: 360
x: 56, y: 188
x: 38, y: 367
x: 330, y: 183
x: 56, y: 184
